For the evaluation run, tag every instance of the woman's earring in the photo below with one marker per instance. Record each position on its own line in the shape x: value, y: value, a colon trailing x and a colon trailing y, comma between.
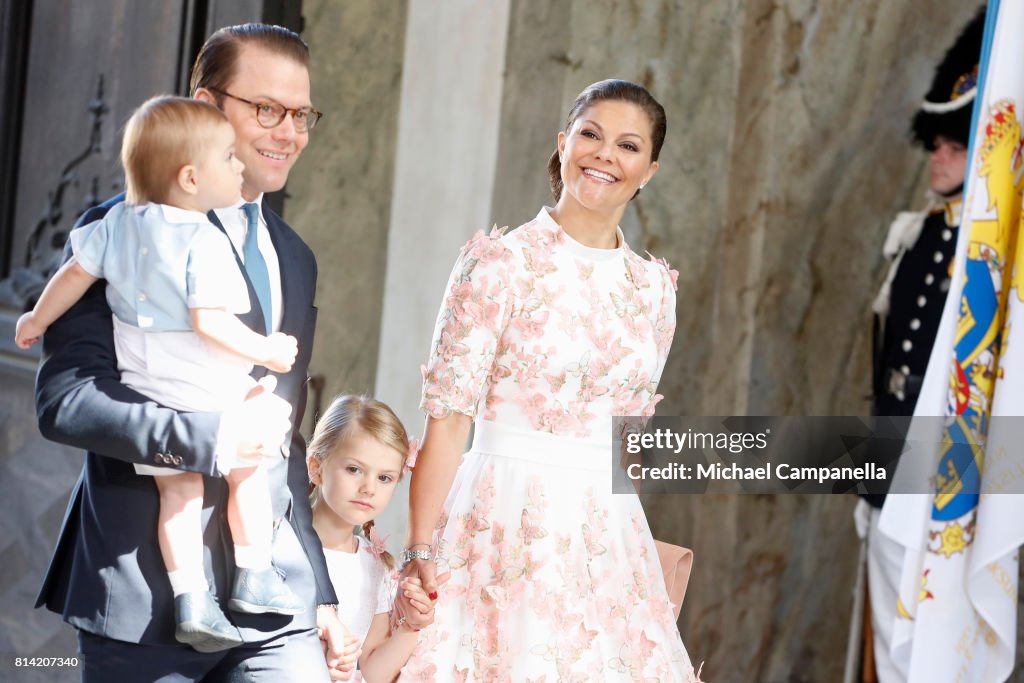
x: 642, y: 186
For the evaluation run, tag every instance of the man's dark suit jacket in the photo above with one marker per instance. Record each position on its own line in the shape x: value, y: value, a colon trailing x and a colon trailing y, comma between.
x: 107, y: 576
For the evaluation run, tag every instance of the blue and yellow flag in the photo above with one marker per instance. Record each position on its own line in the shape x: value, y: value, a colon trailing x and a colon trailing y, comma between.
x: 957, y: 614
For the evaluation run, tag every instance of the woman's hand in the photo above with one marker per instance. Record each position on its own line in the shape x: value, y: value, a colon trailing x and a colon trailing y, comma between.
x: 409, y: 605
x: 413, y: 594
x: 425, y: 572
x: 414, y: 605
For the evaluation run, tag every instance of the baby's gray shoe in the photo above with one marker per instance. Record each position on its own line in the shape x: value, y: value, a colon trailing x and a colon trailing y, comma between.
x: 201, y: 624
x: 263, y: 591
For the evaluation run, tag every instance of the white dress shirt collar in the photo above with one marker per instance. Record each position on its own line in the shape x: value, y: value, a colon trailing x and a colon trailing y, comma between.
x: 235, y: 225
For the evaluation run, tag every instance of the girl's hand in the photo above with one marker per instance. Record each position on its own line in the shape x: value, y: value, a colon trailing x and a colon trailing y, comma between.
x: 426, y: 572
x: 350, y: 653
x: 413, y: 603
x: 412, y: 590
x: 341, y: 648
x: 405, y: 612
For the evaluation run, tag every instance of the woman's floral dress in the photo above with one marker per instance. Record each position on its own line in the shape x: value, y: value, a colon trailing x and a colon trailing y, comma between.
x: 542, y: 340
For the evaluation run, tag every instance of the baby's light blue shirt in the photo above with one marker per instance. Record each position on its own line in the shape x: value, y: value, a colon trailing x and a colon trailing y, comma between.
x: 159, y: 261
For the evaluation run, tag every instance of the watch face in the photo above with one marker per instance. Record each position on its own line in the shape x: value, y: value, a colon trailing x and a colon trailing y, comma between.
x: 416, y: 555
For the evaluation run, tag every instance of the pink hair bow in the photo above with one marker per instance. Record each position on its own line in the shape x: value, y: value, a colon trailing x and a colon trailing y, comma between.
x: 378, y: 545
x: 414, y: 451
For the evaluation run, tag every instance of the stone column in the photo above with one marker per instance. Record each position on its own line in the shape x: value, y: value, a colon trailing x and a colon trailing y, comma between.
x: 444, y: 178
x: 339, y: 192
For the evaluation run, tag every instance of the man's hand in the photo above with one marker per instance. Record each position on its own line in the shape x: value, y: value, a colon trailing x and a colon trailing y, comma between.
x: 341, y: 648
x: 281, y: 352
x: 261, y: 422
x: 27, y: 331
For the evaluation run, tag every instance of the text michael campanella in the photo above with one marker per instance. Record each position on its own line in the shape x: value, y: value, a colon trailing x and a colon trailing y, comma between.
x: 667, y: 440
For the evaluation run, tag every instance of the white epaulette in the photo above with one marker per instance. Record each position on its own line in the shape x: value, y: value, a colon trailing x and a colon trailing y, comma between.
x: 903, y: 234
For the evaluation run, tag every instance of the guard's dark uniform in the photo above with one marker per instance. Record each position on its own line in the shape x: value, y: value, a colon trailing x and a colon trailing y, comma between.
x: 917, y: 298
x: 913, y: 299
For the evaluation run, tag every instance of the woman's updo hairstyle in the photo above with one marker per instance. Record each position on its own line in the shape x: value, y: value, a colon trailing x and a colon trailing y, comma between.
x: 616, y: 90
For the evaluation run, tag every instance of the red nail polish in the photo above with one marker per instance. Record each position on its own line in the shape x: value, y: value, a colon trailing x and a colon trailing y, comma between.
x: 433, y: 596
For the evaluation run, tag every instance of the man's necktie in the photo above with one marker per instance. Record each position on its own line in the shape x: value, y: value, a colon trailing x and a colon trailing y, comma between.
x: 255, y: 266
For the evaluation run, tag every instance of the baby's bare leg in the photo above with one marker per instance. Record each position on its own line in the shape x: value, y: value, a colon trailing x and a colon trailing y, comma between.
x: 249, y: 510
x: 180, y: 529
x: 258, y: 587
x: 198, y: 619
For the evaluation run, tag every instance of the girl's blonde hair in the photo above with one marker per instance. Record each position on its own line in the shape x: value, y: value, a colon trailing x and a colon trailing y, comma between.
x: 348, y: 415
x: 165, y: 134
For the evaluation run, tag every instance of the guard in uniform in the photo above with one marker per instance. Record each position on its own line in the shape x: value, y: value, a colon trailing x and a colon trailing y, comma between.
x: 920, y: 247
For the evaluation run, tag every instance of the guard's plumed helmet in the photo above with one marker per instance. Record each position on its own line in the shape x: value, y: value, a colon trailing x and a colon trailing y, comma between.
x: 946, y: 109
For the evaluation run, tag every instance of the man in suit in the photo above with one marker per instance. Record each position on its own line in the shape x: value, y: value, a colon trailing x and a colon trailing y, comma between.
x: 107, y: 577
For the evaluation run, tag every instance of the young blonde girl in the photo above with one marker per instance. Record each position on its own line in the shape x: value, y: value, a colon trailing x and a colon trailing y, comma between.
x: 357, y: 455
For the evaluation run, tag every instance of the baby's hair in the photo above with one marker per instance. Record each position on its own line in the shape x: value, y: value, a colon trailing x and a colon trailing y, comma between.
x: 348, y: 415
x: 163, y: 135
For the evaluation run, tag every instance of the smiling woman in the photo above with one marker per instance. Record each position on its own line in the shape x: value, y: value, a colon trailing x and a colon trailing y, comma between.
x: 545, y: 333
x: 610, y: 147
x: 623, y: 94
x: 608, y: 151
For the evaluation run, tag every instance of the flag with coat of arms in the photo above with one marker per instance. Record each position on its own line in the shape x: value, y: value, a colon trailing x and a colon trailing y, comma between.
x: 957, y: 612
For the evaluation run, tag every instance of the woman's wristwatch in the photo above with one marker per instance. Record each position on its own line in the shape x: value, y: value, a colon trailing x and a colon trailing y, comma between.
x: 420, y: 553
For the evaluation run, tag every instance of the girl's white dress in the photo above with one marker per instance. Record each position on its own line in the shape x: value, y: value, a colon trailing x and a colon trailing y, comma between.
x: 542, y: 340
x: 363, y: 584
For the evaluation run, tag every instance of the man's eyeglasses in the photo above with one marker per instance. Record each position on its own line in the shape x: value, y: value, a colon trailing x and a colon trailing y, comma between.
x: 270, y: 114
